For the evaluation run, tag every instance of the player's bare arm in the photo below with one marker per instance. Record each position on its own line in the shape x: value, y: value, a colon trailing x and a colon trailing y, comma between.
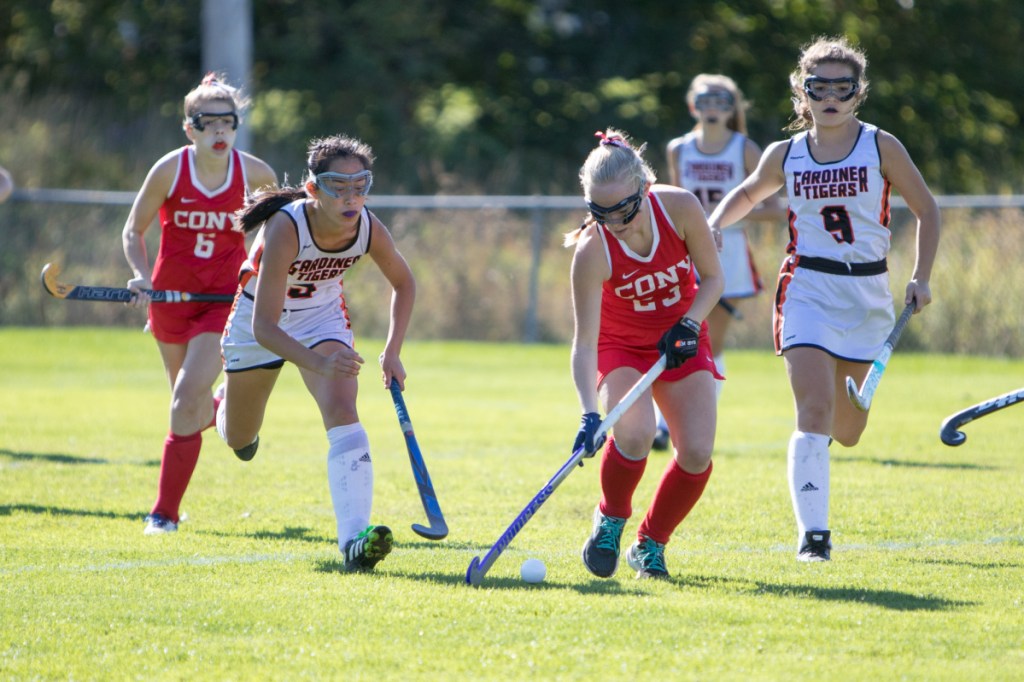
x: 588, y: 273
x: 770, y: 209
x: 145, y: 208
x: 905, y: 177
x: 688, y: 217
x: 258, y: 173
x: 396, y: 270
x: 766, y: 179
x: 672, y: 154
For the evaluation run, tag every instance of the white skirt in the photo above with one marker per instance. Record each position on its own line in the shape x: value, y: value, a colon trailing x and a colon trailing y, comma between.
x: 309, y: 327
x: 847, y: 316
x: 741, y: 277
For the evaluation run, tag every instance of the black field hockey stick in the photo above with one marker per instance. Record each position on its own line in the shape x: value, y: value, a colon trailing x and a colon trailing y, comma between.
x: 81, y: 292
x: 861, y: 399
x: 950, y: 432
x: 478, y: 567
x: 438, y: 529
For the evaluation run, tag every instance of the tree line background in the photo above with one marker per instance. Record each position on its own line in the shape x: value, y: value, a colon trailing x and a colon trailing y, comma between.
x: 491, y: 97
x: 497, y: 96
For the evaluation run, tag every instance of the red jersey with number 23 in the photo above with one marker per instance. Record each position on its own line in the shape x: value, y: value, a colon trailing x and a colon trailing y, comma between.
x: 645, y: 295
x: 201, y: 246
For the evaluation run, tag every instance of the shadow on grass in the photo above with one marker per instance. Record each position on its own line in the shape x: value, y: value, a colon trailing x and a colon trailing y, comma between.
x: 603, y: 587
x: 914, y: 465
x: 889, y: 599
x: 8, y: 509
x: 56, y: 458
x: 300, y: 533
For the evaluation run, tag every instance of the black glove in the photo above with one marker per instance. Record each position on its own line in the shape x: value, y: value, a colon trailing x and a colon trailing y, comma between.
x: 680, y: 342
x: 585, y: 438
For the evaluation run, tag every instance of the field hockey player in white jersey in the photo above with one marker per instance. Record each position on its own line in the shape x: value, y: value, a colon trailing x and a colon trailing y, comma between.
x: 291, y: 307
x: 833, y: 305
x: 710, y: 160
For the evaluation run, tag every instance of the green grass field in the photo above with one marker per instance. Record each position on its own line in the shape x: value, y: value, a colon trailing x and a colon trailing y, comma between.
x: 925, y: 582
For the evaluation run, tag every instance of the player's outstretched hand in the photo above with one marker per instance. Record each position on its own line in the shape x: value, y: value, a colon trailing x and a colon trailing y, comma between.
x: 589, y: 424
x: 680, y: 342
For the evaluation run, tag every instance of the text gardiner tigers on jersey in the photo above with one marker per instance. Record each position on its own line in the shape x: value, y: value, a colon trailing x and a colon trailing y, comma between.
x: 319, y: 269
x: 709, y: 171
x: 831, y: 183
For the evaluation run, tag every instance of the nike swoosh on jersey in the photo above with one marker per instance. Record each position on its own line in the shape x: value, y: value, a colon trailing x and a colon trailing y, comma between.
x: 186, y: 200
x: 627, y: 275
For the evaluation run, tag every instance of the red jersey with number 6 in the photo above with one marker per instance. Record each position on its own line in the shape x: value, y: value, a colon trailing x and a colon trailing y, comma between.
x: 201, y: 245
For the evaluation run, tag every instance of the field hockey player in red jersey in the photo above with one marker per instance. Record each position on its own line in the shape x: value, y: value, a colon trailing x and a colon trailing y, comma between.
x: 291, y: 308
x: 833, y: 305
x: 635, y: 297
x: 195, y: 191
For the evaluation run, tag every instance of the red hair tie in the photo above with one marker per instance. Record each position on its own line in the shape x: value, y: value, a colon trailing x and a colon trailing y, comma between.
x: 613, y: 140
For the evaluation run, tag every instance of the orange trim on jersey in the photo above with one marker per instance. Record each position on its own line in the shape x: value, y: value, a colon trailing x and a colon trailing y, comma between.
x: 886, y: 214
x: 793, y: 232
x: 785, y: 277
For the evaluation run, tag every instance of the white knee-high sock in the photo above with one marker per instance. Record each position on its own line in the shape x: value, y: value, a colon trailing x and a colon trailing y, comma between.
x: 350, y: 476
x: 720, y: 366
x: 808, y: 463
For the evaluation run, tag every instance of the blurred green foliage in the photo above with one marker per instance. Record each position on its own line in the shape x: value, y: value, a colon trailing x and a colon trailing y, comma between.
x: 496, y: 96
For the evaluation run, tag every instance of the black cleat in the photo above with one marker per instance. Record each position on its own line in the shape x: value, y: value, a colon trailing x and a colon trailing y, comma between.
x: 249, y: 451
x: 601, y: 550
x: 366, y: 549
x: 816, y: 546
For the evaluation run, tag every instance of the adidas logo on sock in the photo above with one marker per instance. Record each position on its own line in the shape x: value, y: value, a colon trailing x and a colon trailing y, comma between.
x: 808, y: 488
x: 365, y: 457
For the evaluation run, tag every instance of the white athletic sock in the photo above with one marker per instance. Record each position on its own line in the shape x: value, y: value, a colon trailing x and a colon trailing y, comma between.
x: 808, y: 462
x: 350, y: 476
x: 222, y: 420
x: 720, y: 366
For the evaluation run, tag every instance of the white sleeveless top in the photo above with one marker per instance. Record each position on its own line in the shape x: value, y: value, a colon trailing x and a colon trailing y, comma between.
x: 838, y: 210
x: 711, y: 176
x: 316, y: 276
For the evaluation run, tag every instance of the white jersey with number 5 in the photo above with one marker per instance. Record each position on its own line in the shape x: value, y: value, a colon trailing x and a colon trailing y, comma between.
x: 838, y: 210
x: 315, y: 276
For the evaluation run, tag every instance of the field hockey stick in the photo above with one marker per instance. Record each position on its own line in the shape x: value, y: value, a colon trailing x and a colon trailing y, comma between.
x: 438, y: 528
x: 81, y: 292
x: 478, y: 567
x: 950, y: 432
x: 861, y: 399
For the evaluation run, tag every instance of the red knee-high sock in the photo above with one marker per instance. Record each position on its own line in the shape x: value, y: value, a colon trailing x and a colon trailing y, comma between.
x: 677, y: 493
x: 181, y: 453
x: 619, y: 478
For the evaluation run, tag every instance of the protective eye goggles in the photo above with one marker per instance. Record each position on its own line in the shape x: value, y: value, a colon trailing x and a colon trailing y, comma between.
x: 713, y: 100
x: 342, y: 184
x: 818, y: 88
x: 200, y: 120
x: 631, y: 205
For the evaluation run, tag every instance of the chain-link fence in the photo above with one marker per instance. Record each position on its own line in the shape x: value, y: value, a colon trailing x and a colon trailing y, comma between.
x: 494, y: 269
